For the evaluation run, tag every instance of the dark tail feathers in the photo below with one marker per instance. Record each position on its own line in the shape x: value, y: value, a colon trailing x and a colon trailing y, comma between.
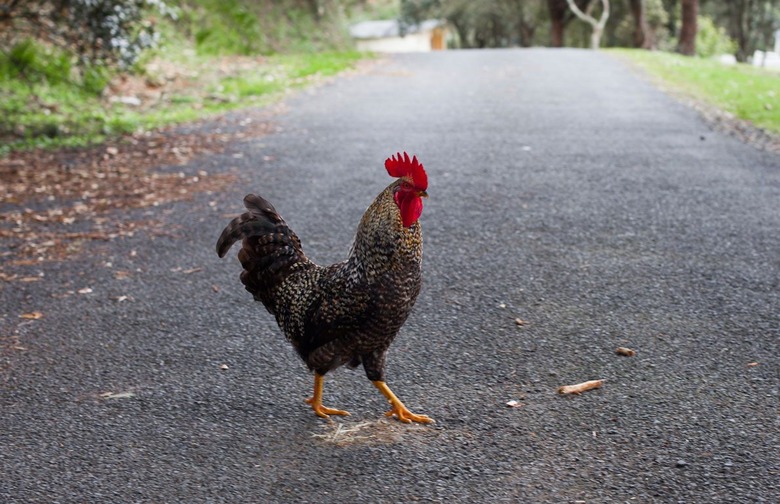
x: 270, y: 248
x: 262, y: 218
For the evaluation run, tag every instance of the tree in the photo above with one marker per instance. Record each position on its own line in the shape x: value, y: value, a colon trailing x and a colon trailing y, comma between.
x: 670, y: 6
x: 689, y: 13
x: 560, y: 16
x: 527, y: 14
x: 751, y: 23
x: 643, y: 36
x: 488, y: 23
x: 598, y: 26
x: 557, y: 24
x: 768, y: 26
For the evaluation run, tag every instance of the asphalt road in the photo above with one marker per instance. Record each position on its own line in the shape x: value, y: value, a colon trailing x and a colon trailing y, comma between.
x: 565, y: 190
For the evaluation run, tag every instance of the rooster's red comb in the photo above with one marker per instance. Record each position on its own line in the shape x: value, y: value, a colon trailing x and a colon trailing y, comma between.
x: 412, y: 170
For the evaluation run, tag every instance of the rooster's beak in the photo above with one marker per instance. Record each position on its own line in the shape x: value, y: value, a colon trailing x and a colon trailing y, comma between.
x: 422, y: 194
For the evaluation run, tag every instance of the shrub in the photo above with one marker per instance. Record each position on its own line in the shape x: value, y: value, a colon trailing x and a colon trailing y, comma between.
x: 109, y: 33
x: 712, y: 40
x: 32, y: 62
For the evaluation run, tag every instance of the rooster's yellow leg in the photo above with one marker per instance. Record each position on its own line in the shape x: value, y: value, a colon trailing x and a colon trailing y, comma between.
x: 316, y: 400
x: 399, y: 410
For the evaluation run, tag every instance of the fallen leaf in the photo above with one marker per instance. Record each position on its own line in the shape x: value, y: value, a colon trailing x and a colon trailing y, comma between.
x: 224, y: 367
x: 514, y: 404
x: 85, y: 290
x: 32, y: 315
x: 215, y: 288
x: 626, y: 352
x: 191, y: 270
x: 752, y: 364
x: 519, y: 322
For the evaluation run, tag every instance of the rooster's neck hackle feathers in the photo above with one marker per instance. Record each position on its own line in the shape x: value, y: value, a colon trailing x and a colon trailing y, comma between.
x: 382, y: 239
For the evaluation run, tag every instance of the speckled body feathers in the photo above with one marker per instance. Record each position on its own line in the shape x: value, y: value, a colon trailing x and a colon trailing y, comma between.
x: 346, y: 313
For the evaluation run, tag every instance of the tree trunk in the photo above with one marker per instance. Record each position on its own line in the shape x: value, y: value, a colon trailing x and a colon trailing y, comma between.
x: 643, y: 37
x: 671, y: 8
x: 595, y: 37
x: 556, y: 34
x: 598, y: 26
x: 741, y: 23
x: 463, y: 35
x: 687, y: 44
x: 526, y: 33
x: 557, y: 10
x: 767, y: 26
x: 525, y: 28
x: 560, y: 15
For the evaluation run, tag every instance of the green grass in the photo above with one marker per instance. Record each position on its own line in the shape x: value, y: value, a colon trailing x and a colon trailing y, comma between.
x: 325, y: 64
x: 222, y: 54
x: 44, y: 112
x: 750, y: 93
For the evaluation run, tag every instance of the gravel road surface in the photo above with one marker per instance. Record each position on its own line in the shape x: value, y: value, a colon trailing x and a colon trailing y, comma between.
x: 565, y: 191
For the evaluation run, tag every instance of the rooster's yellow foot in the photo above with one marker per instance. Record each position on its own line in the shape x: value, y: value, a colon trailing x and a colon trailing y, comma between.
x: 316, y: 400
x: 324, y: 411
x: 400, y: 411
x: 406, y: 416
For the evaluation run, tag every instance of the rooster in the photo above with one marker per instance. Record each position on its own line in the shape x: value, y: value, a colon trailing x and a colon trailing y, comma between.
x: 349, y: 312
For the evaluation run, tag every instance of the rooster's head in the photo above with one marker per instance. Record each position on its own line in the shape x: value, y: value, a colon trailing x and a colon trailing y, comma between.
x: 414, y: 182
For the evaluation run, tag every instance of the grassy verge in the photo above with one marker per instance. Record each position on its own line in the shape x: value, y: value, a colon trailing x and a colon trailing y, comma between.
x: 749, y: 93
x: 46, y: 112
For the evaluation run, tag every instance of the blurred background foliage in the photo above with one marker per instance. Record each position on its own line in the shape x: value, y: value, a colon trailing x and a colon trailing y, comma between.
x: 92, y: 37
x: 738, y: 27
x: 61, y: 60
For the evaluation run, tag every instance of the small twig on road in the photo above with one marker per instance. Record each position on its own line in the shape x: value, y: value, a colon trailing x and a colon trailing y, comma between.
x: 580, y: 387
